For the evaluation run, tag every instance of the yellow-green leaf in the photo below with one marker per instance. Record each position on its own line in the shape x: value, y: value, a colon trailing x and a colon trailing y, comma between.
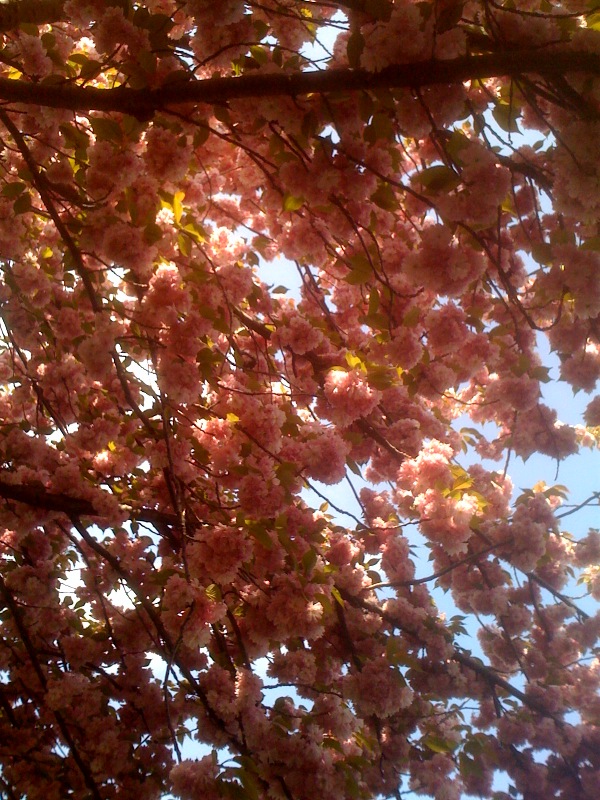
x: 177, y: 206
x: 542, y: 252
x: 354, y: 361
x: 360, y: 269
x: 335, y: 592
x: 439, y: 745
x: 506, y: 115
x: 106, y: 129
x: 438, y: 178
x: 593, y: 21
x: 291, y: 202
x: 385, y: 197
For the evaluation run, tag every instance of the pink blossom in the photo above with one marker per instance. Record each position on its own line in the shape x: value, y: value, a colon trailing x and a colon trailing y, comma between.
x: 124, y: 246
x: 439, y: 265
x: 294, y: 666
x: 396, y: 559
x: 400, y: 41
x: 191, y: 779
x: 35, y: 59
x: 324, y: 453
x: 587, y: 549
x: 537, y: 430
x: 379, y: 689
x: 167, y: 154
x: 187, y: 611
x: 110, y: 170
x: 350, y: 396
x: 289, y: 609
x: 219, y: 553
x: 113, y: 29
x: 299, y: 335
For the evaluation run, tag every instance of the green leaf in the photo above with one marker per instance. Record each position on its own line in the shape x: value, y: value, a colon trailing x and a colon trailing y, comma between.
x: 592, y: 243
x: 354, y: 48
x: 152, y: 233
x: 292, y: 203
x: 91, y: 69
x: 469, y: 766
x: 106, y: 129
x: 201, y: 135
x: 385, y: 197
x: 558, y: 490
x: 354, y: 467
x: 562, y: 236
x: 335, y: 592
x: 78, y: 58
x: 506, y: 115
x: 177, y: 206
x: 213, y: 592
x: 287, y: 474
x: 354, y: 361
x: 360, y: 269
x: 542, y: 252
x: 439, y: 745
x: 13, y: 189
x: 541, y: 374
x: 373, y: 302
x: 221, y: 113
x: 381, y: 127
x: 259, y: 54
x: 381, y: 377
x: 365, y: 106
x: 261, y: 29
x: 184, y: 244
x: 22, y: 203
x: 439, y: 178
x: 412, y: 317
x: 260, y: 533
x: 456, y: 144
x: 309, y: 559
x: 195, y: 231
x: 29, y: 28
x: 593, y: 21
x: 249, y: 782
x: 332, y: 744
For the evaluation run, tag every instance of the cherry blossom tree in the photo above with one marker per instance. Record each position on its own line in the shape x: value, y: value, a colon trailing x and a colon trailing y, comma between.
x: 179, y: 618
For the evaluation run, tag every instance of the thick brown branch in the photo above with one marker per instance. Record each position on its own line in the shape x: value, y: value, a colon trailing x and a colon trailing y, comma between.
x: 38, y: 497
x: 34, y: 12
x: 142, y: 103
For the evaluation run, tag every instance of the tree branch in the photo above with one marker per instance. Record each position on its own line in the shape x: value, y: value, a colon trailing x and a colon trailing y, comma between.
x: 34, y: 12
x: 38, y: 497
x: 143, y: 103
x: 490, y: 676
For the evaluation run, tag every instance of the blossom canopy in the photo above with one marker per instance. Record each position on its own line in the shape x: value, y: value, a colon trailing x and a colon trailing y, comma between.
x: 185, y: 612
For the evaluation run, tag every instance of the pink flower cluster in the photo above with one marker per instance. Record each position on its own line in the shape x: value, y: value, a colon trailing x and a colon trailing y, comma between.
x: 349, y: 396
